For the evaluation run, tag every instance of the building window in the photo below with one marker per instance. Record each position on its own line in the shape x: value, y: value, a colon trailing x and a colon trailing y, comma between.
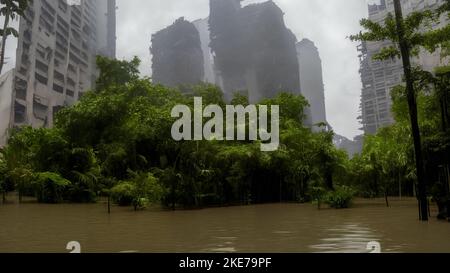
x: 58, y: 88
x: 41, y: 79
x: 19, y: 113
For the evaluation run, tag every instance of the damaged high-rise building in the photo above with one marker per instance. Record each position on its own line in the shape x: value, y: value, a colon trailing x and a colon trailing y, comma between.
x: 253, y: 50
x: 177, y: 55
x: 55, y: 59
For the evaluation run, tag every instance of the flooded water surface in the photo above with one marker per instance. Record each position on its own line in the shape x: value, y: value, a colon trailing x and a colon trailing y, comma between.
x: 31, y: 227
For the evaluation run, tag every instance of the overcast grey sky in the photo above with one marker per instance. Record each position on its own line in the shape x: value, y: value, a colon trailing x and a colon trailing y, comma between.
x: 326, y: 22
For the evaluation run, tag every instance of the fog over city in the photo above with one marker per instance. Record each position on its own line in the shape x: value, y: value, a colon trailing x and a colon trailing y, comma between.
x: 326, y: 22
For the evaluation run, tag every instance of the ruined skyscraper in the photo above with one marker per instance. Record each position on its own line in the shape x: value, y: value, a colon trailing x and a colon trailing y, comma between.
x: 55, y: 63
x: 177, y: 55
x: 311, y: 81
x: 379, y: 77
x: 253, y: 49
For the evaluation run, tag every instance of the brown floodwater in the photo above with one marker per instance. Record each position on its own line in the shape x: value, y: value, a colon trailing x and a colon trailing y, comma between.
x: 31, y: 227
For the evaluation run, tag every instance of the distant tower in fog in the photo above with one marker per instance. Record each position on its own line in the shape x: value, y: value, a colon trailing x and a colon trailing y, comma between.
x: 311, y: 80
x: 254, y: 51
x: 177, y: 55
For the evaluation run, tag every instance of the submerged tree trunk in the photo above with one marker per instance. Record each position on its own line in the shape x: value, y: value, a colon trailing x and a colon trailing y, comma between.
x: 109, y: 204
x: 412, y: 103
x: 386, y: 198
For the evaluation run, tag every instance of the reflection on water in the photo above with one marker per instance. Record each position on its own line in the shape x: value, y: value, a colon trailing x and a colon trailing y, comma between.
x: 346, y: 238
x: 283, y: 228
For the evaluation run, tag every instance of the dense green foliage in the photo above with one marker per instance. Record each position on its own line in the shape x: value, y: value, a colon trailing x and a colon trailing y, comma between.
x: 117, y: 141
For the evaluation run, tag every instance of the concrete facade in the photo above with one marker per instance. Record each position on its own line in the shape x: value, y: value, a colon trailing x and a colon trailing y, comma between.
x: 57, y: 47
x: 379, y: 77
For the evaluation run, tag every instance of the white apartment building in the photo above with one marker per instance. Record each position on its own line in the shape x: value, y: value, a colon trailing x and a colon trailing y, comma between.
x: 56, y: 53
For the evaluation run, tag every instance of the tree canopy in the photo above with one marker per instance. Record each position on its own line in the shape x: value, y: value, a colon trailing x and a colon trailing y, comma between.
x: 117, y: 141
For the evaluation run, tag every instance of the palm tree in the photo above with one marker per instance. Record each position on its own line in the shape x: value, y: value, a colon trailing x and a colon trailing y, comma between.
x: 405, y: 50
x: 10, y: 9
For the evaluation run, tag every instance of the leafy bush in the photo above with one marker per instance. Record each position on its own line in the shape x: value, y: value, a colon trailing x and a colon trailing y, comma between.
x: 122, y: 194
x: 141, y: 191
x: 22, y: 180
x: 341, y: 198
x: 147, y: 190
x: 84, y: 175
x: 50, y: 187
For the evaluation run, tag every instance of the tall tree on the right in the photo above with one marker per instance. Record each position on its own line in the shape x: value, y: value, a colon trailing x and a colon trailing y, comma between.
x: 408, y: 37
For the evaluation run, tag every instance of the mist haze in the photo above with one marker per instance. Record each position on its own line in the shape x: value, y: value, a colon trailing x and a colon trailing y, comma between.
x: 326, y: 22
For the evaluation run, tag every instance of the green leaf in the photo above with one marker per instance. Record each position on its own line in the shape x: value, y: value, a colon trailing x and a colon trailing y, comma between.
x: 9, y: 31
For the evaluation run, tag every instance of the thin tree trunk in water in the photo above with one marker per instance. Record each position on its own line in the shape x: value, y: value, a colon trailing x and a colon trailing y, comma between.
x: 109, y: 204
x: 405, y: 52
x: 400, y: 185
x: 386, y: 198
x: 3, y: 45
